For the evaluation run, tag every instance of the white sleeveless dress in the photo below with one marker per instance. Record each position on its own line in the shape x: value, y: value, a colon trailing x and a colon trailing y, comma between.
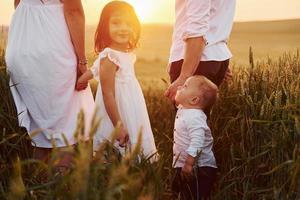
x: 130, y: 102
x: 42, y: 66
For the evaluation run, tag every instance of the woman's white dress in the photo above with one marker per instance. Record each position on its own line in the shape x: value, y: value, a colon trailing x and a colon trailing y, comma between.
x: 130, y: 103
x: 42, y: 63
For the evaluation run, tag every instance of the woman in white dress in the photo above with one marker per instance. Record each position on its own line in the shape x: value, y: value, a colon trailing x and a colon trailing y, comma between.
x: 45, y: 50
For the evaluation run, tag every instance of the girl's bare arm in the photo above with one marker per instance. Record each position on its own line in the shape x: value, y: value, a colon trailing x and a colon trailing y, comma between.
x: 107, y: 79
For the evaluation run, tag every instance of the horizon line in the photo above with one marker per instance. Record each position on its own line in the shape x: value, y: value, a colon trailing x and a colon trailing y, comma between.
x: 236, y: 21
x: 171, y: 23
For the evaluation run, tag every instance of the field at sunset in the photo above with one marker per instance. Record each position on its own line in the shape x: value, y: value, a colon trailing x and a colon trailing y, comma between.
x: 255, y: 125
x: 267, y: 39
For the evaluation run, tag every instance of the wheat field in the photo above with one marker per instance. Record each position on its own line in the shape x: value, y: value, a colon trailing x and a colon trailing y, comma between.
x: 255, y: 125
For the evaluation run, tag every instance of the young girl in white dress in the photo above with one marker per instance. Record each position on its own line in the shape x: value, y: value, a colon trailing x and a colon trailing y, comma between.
x: 119, y: 96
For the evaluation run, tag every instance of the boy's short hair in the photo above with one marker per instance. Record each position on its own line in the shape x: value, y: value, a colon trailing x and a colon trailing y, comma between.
x: 207, y: 90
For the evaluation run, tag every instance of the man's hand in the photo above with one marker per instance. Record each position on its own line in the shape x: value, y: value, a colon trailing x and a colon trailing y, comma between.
x: 172, y: 89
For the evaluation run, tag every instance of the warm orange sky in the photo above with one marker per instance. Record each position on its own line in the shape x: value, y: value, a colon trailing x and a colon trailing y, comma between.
x: 162, y: 11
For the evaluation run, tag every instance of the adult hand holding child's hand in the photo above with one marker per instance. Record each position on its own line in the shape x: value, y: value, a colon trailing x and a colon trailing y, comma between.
x: 80, y: 83
x: 172, y: 89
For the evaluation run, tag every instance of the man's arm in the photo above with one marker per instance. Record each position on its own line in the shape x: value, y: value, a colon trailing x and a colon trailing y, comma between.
x: 197, y: 25
x: 193, y: 48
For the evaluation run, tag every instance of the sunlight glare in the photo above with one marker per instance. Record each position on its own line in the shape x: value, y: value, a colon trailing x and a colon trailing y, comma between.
x: 144, y: 9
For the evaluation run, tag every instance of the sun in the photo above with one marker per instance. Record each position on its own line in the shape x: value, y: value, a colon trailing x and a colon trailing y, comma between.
x: 144, y: 9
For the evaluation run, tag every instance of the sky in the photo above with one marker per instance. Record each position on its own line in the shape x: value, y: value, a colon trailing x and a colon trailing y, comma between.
x: 162, y: 11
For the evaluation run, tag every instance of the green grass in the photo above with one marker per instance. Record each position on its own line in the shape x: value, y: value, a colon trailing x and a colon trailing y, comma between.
x: 255, y: 124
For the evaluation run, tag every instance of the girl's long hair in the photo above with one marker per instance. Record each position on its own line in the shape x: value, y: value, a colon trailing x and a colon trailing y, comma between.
x: 102, y: 38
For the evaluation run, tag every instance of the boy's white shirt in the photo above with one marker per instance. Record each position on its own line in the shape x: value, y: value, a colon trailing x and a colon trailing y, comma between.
x: 192, y: 136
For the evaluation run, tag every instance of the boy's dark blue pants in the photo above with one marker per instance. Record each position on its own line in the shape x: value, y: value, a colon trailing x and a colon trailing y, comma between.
x: 196, y: 187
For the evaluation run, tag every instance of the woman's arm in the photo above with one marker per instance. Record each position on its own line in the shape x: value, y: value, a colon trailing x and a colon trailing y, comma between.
x: 16, y: 3
x: 75, y: 19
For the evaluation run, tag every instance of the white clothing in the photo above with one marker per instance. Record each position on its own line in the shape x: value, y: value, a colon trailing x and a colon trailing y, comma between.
x: 42, y: 66
x: 130, y: 103
x: 192, y: 137
x: 211, y: 19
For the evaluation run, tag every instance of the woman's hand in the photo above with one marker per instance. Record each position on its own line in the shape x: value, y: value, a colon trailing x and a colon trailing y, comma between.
x: 81, y: 82
x: 82, y: 65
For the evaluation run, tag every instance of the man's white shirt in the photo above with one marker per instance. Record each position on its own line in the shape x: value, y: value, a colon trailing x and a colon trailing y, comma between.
x: 212, y: 19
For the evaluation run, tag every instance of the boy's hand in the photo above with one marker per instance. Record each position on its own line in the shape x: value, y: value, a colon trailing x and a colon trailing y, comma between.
x: 187, y: 171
